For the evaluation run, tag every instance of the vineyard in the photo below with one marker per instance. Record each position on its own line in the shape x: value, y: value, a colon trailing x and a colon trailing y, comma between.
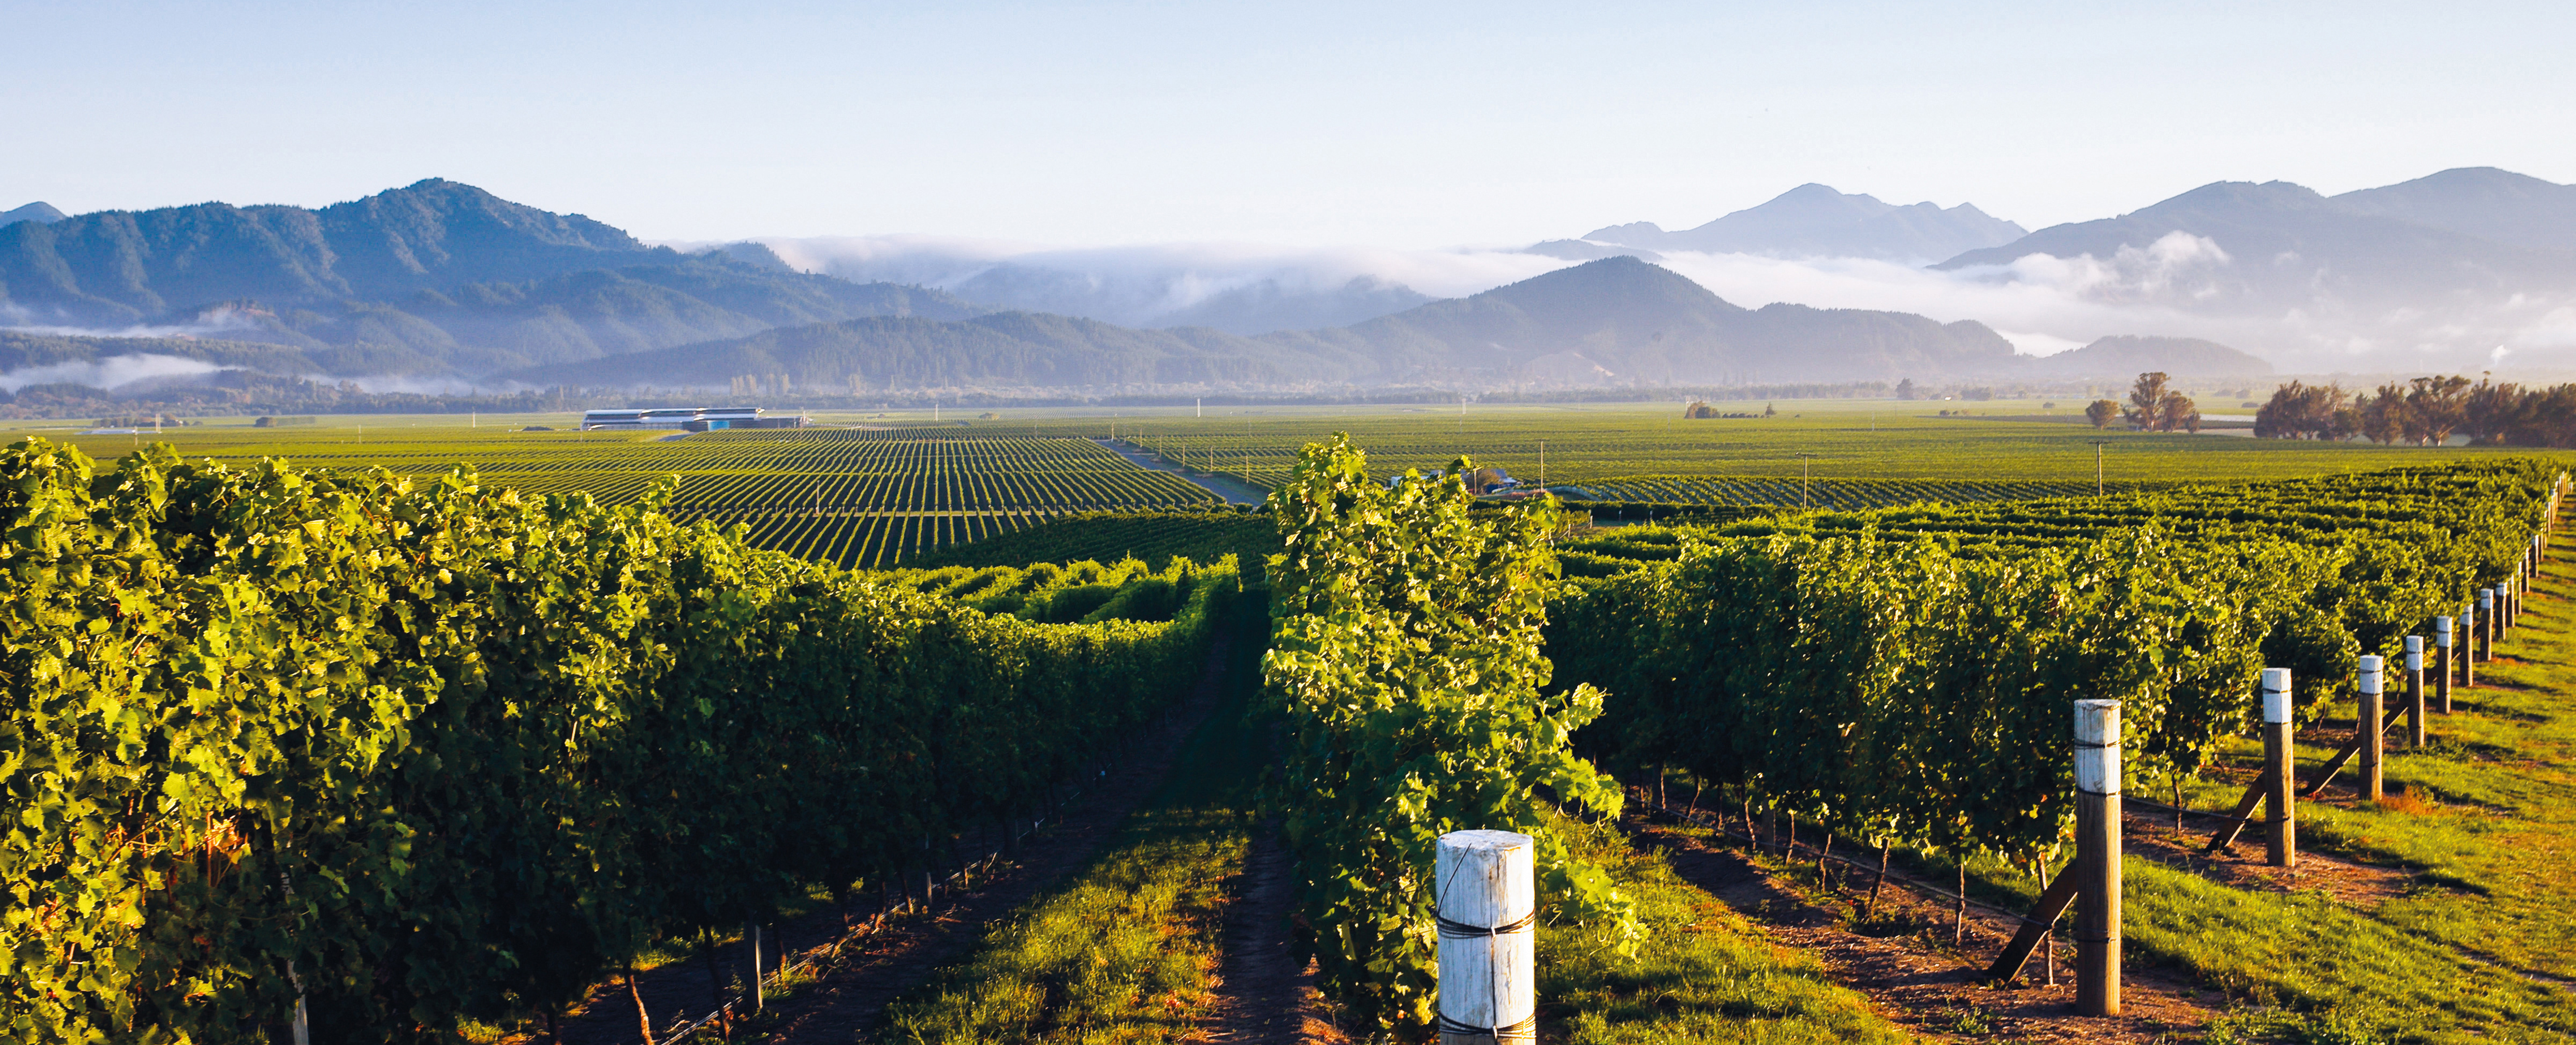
x: 416, y: 751
x: 1825, y: 493
x: 853, y: 498
x: 1155, y: 537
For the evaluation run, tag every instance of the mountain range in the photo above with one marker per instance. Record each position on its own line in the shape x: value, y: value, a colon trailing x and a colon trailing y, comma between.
x: 443, y: 280
x: 432, y: 278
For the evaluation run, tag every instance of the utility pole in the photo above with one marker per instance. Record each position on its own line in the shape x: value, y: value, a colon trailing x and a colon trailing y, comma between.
x: 2097, y: 465
x: 1803, y: 480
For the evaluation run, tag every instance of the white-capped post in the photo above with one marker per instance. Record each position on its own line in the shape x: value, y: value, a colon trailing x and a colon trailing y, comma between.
x: 2414, y: 691
x: 2468, y: 644
x: 2366, y: 722
x: 1488, y: 904
x: 2486, y: 623
x: 2097, y: 857
x: 2506, y: 594
x: 2442, y: 665
x: 2280, y: 812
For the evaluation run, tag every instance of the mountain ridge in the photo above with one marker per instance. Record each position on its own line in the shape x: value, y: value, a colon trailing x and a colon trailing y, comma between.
x: 1816, y: 220
x: 40, y: 212
x: 2247, y: 247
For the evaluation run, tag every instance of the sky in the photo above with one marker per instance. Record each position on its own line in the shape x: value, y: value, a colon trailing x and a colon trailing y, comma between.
x: 1408, y: 126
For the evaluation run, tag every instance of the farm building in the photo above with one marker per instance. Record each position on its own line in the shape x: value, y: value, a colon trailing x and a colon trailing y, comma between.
x: 691, y: 418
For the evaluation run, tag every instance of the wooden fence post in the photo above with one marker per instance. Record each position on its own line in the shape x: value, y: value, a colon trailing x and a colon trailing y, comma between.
x: 2366, y: 721
x: 2414, y: 691
x: 2280, y: 812
x: 1488, y: 912
x: 2442, y: 665
x: 2097, y: 857
x: 751, y: 936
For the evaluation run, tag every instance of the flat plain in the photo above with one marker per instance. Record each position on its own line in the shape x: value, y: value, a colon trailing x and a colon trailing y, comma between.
x: 882, y: 489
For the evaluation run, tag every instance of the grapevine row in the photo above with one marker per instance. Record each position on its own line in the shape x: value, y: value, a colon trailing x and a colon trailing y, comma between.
x: 1904, y: 676
x: 412, y: 753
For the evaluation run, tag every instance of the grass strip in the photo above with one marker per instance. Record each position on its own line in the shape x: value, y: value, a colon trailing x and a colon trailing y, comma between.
x: 1127, y: 950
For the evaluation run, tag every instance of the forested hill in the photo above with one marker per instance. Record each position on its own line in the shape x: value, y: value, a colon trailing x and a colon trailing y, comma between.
x: 1615, y: 321
x: 1621, y: 320
x: 435, y: 277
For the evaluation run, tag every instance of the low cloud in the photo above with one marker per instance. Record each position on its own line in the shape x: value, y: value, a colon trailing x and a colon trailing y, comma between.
x: 214, y: 323
x: 1148, y: 284
x: 109, y: 373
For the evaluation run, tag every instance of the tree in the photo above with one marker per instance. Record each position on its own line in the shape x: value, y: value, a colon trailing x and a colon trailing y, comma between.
x: 2146, y: 401
x: 2383, y: 414
x: 2493, y: 412
x: 2300, y: 411
x: 2436, y: 406
x: 2176, y: 412
x: 1905, y: 389
x: 2102, y: 412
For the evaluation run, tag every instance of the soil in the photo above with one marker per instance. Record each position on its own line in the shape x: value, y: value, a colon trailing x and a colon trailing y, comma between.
x: 864, y: 969
x: 1904, y: 961
x: 1264, y: 995
x: 2150, y: 834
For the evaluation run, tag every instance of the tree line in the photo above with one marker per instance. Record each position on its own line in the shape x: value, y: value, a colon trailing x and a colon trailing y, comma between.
x: 2425, y: 411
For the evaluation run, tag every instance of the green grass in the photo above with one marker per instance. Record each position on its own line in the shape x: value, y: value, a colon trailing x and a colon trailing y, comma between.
x: 1705, y: 973
x: 2310, y: 954
x: 1126, y: 951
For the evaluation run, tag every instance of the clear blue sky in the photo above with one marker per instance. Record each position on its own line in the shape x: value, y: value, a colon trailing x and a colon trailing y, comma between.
x: 1408, y: 125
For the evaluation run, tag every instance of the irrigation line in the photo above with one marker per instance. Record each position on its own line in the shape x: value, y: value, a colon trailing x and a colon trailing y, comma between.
x: 685, y: 1029
x: 2188, y: 811
x: 1758, y: 845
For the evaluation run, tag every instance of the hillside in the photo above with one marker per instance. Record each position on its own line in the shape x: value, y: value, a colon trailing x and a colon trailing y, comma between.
x: 2125, y: 357
x: 433, y: 278
x: 21, y: 350
x: 1008, y: 349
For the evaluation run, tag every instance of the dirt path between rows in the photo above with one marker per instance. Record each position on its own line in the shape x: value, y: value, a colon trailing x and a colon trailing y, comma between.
x: 1264, y: 996
x: 1905, y: 962
x: 872, y: 968
x: 1229, y: 490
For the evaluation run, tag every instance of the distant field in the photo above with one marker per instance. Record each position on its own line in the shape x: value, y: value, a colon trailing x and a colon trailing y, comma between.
x: 1847, y: 439
x: 856, y: 498
x: 881, y: 498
